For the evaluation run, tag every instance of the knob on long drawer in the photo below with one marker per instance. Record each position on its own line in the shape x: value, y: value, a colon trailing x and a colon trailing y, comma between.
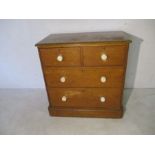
x: 103, y: 79
x: 59, y: 58
x: 104, y: 57
x: 102, y: 99
x: 64, y: 98
x: 62, y: 79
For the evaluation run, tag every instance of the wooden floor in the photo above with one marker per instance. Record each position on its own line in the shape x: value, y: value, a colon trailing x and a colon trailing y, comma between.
x: 24, y: 111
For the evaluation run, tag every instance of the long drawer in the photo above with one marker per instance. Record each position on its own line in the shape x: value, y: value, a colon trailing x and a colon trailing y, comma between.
x: 84, y: 77
x: 85, y: 97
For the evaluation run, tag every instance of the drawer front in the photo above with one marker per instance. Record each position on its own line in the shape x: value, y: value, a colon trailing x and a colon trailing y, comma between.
x: 84, y: 77
x: 85, y: 97
x: 60, y: 56
x: 104, y: 55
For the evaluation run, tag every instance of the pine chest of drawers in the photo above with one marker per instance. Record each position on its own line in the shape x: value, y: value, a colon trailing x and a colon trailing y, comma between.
x: 84, y: 73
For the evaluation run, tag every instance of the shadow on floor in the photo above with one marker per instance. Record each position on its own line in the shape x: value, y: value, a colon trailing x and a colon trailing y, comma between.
x: 133, y: 58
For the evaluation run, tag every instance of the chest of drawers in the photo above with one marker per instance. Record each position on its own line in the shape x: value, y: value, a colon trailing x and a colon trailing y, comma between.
x: 84, y: 73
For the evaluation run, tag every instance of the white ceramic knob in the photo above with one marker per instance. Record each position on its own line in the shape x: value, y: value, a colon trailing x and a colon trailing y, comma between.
x: 102, y: 99
x: 64, y: 98
x: 103, y: 79
x: 104, y: 57
x: 62, y: 79
x: 59, y: 58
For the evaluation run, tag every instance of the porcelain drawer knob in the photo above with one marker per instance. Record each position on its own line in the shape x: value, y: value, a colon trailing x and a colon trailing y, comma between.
x: 103, y: 79
x: 62, y: 79
x: 102, y: 99
x: 64, y: 98
x: 60, y: 58
x: 104, y: 57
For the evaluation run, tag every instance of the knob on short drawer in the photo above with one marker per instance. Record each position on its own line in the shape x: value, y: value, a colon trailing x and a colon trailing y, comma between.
x: 64, y: 98
x: 62, y: 79
x: 102, y: 99
x: 60, y: 58
x: 103, y: 79
x: 104, y: 57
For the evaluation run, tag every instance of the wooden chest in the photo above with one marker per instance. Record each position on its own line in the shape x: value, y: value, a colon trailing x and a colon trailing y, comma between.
x: 84, y: 73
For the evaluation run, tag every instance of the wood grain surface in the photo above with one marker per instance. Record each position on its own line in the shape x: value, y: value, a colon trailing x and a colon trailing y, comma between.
x: 82, y: 68
x: 86, y: 97
x: 84, y: 76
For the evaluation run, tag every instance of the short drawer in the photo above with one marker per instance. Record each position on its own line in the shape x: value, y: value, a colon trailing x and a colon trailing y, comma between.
x: 84, y: 77
x: 104, y: 55
x: 85, y: 97
x: 60, y: 56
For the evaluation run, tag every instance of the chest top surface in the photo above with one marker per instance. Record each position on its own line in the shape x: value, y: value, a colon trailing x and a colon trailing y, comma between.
x: 87, y: 37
